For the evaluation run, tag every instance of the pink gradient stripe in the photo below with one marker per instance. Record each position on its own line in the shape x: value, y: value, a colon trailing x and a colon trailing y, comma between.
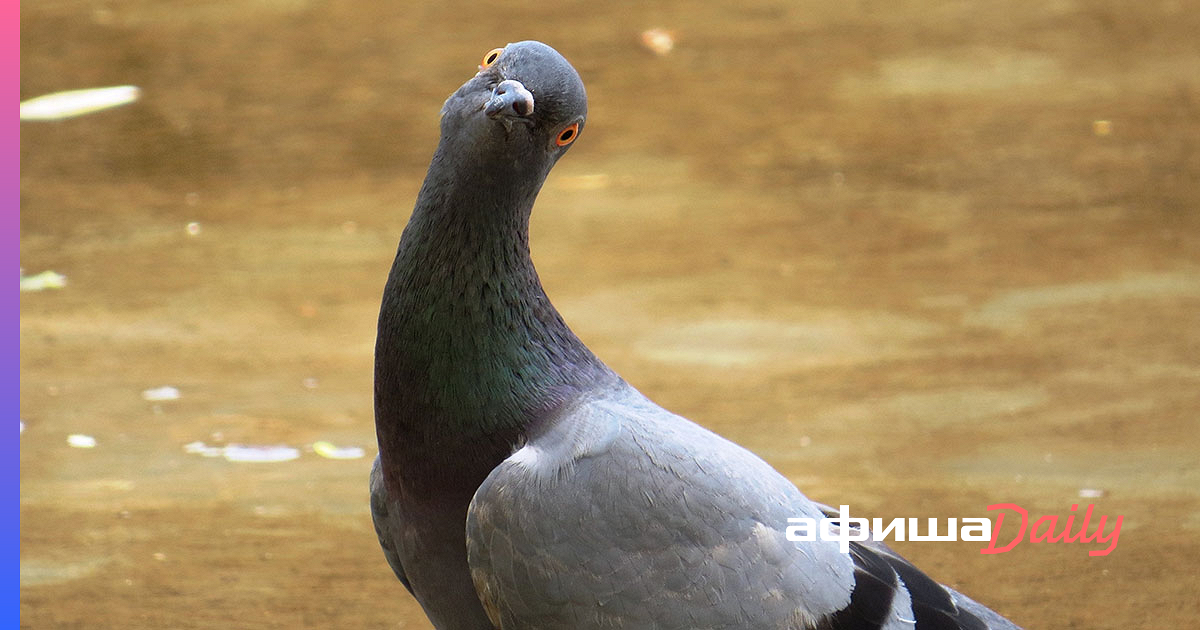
x: 10, y: 458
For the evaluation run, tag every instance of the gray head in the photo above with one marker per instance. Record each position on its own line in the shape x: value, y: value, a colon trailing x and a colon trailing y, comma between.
x: 523, y: 109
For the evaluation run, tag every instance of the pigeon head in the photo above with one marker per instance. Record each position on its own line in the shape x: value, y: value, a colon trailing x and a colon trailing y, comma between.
x: 523, y: 109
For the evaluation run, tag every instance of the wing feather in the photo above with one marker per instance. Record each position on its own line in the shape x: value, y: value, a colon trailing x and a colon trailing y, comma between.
x: 617, y: 513
x: 384, y: 523
x: 634, y: 517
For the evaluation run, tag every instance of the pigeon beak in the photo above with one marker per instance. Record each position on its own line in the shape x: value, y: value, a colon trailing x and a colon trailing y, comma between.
x: 511, y: 100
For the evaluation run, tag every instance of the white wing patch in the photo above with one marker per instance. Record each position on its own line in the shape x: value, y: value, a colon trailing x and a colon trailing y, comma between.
x: 527, y: 457
x: 901, y: 616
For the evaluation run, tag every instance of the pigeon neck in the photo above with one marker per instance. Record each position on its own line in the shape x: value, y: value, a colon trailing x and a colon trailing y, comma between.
x: 469, y: 347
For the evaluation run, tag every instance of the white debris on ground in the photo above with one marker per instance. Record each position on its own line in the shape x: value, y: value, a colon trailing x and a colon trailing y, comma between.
x: 166, y: 392
x: 1091, y: 493
x: 200, y: 448
x: 244, y: 452
x: 79, y: 440
x: 71, y: 103
x: 42, y: 281
x: 658, y: 41
x: 271, y: 453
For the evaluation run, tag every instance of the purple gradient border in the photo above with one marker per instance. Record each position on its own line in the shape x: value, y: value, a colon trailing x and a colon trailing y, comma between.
x: 10, y: 361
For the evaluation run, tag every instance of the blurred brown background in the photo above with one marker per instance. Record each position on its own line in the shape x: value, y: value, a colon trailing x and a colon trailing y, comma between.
x: 921, y: 256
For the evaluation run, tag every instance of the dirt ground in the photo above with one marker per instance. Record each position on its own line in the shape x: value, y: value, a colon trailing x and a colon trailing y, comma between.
x: 923, y: 257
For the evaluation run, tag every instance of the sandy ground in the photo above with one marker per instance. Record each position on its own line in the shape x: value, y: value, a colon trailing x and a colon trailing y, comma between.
x: 887, y: 246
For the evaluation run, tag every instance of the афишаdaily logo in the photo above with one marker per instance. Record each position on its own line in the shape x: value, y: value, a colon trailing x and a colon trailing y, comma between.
x: 844, y: 530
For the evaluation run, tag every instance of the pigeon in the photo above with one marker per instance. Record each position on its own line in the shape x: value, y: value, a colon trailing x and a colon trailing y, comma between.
x: 521, y: 483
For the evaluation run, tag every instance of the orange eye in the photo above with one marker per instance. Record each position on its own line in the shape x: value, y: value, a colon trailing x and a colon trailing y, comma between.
x: 490, y: 58
x: 567, y: 135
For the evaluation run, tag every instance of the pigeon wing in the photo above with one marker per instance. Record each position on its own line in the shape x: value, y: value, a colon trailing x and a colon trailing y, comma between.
x: 385, y: 524
x: 618, y: 513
